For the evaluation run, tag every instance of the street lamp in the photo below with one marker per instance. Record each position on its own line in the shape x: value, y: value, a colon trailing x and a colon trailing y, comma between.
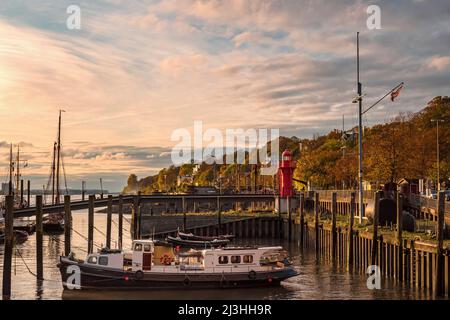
x: 438, y: 184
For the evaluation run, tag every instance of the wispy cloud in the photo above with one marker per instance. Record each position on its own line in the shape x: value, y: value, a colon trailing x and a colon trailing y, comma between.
x: 139, y: 69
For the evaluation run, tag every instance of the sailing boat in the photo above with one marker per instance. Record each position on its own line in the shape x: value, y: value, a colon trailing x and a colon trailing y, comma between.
x: 14, y: 190
x: 54, y: 222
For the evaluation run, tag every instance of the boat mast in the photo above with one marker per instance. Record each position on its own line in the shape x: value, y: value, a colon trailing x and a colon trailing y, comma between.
x: 53, y: 173
x: 58, y: 159
x: 11, y: 169
x: 18, y: 171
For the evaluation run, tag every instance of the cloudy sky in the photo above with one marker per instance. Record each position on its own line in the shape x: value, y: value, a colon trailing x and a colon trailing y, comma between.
x: 137, y: 70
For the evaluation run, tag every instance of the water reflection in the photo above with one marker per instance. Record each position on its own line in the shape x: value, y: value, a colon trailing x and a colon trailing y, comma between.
x: 316, y: 279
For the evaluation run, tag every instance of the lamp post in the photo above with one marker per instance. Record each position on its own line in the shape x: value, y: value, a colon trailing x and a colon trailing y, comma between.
x: 438, y: 184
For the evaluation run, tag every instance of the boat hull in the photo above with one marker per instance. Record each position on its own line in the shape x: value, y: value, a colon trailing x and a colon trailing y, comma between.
x: 98, y: 278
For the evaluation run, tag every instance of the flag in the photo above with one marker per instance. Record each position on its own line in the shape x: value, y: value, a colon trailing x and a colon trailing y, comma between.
x: 396, y: 93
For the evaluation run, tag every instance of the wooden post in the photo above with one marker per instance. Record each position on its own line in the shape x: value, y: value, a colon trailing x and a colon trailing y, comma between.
x: 302, y: 218
x: 438, y: 274
x: 9, y: 247
x: 120, y: 222
x: 67, y: 225
x: 399, y: 239
x: 28, y: 193
x: 183, y: 205
x: 135, y: 218
x: 288, y: 207
x: 21, y: 192
x: 108, y: 222
x: 91, y: 224
x: 316, y: 221
x: 350, y: 230
x: 333, y: 225
x: 375, y: 227
x: 219, y: 217
x: 39, y: 239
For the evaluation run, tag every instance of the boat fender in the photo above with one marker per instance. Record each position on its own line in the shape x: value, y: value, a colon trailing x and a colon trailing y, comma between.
x: 139, y: 275
x: 252, y: 274
x: 187, y: 281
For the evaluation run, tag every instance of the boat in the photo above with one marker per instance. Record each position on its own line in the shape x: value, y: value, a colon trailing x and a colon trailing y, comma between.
x: 19, y: 236
x: 177, y: 241
x: 25, y: 225
x: 191, y: 236
x: 151, y: 267
x: 53, y: 223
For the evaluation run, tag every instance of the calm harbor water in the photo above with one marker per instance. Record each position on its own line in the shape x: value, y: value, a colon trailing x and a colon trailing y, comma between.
x: 317, y: 279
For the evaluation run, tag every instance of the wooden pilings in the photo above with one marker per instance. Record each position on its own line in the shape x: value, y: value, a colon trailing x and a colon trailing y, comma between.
x: 120, y: 224
x: 108, y: 222
x: 438, y: 274
x: 399, y: 236
x: 350, y: 244
x: 21, y: 192
x: 135, y: 213
x: 67, y: 225
x: 9, y: 247
x: 288, y: 207
x: 183, y: 206
x: 91, y: 224
x: 219, y: 217
x: 375, y: 227
x: 28, y: 192
x: 316, y: 221
x: 302, y: 218
x: 39, y: 239
x: 333, y: 226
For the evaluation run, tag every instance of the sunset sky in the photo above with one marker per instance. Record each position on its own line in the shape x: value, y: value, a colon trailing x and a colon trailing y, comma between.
x: 137, y: 70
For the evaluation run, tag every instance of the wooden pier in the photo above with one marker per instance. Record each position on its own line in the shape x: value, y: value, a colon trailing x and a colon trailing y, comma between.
x: 313, y: 222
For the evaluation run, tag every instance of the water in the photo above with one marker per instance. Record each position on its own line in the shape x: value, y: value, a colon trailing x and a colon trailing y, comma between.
x: 317, y: 280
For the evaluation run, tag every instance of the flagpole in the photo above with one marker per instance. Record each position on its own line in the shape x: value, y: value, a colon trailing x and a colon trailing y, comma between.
x: 384, y: 97
x: 360, y: 175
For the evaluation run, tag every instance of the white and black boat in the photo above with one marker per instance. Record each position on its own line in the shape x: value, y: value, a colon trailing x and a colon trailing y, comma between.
x: 155, y: 267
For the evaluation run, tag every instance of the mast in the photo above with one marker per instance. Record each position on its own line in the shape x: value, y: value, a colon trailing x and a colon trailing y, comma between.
x: 53, y: 173
x: 58, y: 159
x: 11, y: 169
x: 18, y: 171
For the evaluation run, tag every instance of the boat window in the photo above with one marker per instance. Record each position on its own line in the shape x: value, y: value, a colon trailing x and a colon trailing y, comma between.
x: 248, y: 259
x: 235, y: 259
x: 147, y: 248
x: 92, y: 260
x: 138, y: 247
x: 103, y: 261
x: 223, y: 260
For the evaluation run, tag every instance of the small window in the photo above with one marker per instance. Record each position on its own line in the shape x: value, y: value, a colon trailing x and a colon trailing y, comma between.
x: 103, y: 261
x: 223, y: 260
x: 248, y: 259
x: 138, y: 247
x: 147, y: 248
x: 92, y: 260
x: 235, y: 259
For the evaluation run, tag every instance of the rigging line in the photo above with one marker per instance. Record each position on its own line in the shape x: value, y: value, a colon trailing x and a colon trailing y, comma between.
x: 85, y: 238
x: 99, y: 231
x: 29, y: 269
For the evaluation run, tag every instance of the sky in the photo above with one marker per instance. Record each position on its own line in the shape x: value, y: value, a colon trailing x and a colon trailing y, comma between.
x: 138, y: 70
